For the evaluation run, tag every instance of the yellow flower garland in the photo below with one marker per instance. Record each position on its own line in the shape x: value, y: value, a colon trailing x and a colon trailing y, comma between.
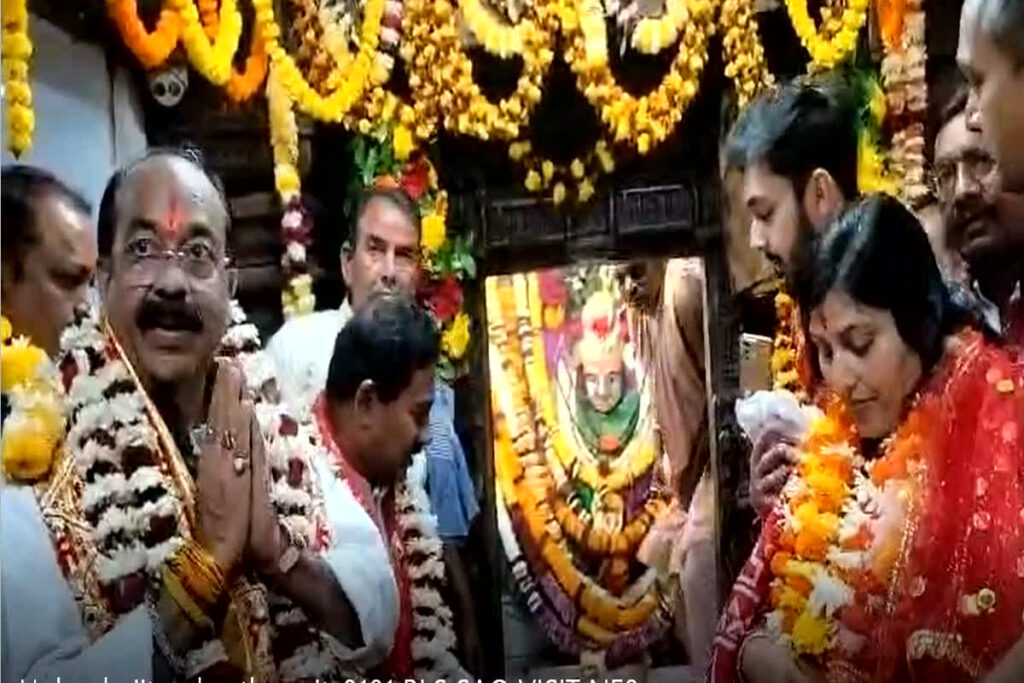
x: 642, y: 122
x: 213, y: 61
x: 653, y: 34
x: 297, y: 297
x: 497, y: 37
x: 575, y: 181
x: 332, y: 107
x: 441, y: 75
x: 33, y: 430
x: 745, y: 61
x: 827, y: 52
x: 17, y: 50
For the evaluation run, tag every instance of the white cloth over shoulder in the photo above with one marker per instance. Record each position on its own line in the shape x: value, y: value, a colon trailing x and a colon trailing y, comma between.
x: 302, y: 351
x: 361, y: 563
x: 42, y: 633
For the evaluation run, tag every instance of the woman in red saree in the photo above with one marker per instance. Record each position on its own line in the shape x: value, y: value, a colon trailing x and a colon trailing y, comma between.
x: 939, y: 410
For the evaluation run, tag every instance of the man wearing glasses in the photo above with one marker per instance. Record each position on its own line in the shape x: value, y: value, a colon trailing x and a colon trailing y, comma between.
x: 983, y: 223
x: 129, y: 589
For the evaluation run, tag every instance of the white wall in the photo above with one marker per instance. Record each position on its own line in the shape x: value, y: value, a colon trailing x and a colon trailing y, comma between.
x: 85, y: 125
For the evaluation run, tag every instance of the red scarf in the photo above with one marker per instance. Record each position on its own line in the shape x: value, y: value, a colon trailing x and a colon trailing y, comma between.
x: 399, y: 664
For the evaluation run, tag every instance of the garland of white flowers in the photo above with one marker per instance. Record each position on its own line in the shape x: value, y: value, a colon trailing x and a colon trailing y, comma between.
x: 110, y: 433
x: 433, y: 643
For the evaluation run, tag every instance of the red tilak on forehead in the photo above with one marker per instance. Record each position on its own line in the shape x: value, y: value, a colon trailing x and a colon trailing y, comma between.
x: 174, y: 220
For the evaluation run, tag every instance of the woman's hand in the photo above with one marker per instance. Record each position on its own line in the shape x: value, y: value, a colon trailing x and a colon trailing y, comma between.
x: 771, y: 462
x: 768, y: 661
x: 224, y: 477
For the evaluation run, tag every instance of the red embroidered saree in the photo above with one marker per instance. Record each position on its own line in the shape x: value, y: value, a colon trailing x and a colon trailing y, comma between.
x: 956, y: 601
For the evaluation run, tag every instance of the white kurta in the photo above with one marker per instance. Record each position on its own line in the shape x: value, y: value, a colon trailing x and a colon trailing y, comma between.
x: 301, y: 351
x: 362, y: 565
x: 41, y: 628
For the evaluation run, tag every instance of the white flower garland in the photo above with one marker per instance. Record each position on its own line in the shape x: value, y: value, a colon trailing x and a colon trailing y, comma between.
x: 127, y: 496
x: 434, y: 642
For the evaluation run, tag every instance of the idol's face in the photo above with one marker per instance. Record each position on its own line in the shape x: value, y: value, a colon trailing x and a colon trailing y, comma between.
x: 168, y: 288
x: 864, y: 359
x: 603, y: 383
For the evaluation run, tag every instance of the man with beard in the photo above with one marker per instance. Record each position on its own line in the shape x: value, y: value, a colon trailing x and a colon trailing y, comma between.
x: 983, y: 223
x: 797, y: 148
x: 159, y: 509
x: 373, y: 416
x: 49, y: 254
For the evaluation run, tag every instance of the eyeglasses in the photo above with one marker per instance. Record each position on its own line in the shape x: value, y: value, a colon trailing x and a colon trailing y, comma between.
x: 976, y: 165
x: 146, y: 260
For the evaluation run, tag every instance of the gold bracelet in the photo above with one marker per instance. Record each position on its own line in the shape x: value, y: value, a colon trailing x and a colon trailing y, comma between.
x: 199, y: 573
x: 181, y: 596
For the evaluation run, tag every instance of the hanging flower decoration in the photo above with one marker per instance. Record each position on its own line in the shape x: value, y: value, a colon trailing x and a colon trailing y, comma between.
x: 874, y: 165
x: 240, y: 86
x: 639, y: 122
x: 17, y: 50
x: 384, y: 159
x: 652, y: 34
x: 906, y: 94
x: 211, y: 59
x: 350, y: 88
x: 306, y: 33
x: 494, y: 35
x: 296, y: 225
x: 152, y: 48
x: 745, y: 61
x: 441, y: 74
x: 33, y: 412
x: 574, y: 182
x: 826, y: 52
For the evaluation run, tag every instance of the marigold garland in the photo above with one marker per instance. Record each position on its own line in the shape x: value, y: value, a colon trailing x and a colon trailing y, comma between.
x: 826, y: 51
x: 441, y: 74
x: 573, y: 182
x: 240, y: 86
x: 641, y: 122
x: 840, y: 532
x: 212, y: 60
x: 788, y: 363
x: 297, y: 298
x: 17, y: 50
x: 34, y: 426
x: 495, y: 36
x: 151, y: 48
x: 334, y: 106
x: 906, y: 93
x: 745, y: 61
x: 652, y: 34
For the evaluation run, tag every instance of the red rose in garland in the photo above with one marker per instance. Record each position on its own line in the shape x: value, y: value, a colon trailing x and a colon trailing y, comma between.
x: 444, y: 297
x: 415, y: 178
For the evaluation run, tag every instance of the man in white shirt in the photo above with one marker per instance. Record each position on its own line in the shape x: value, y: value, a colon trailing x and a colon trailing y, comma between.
x: 383, y: 253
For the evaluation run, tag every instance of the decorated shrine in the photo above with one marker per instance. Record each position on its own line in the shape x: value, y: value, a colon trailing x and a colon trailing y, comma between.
x: 549, y: 146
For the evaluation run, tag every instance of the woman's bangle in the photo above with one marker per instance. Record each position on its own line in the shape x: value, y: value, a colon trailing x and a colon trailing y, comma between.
x: 198, y: 573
